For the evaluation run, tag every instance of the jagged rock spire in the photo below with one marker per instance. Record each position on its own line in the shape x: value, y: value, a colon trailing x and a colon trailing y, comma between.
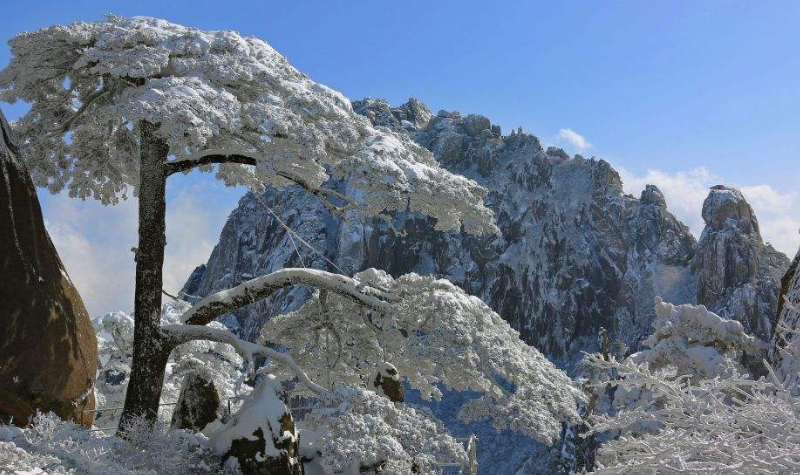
x: 737, y: 274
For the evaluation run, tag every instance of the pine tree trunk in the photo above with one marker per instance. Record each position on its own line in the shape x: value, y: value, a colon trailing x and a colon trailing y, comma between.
x: 150, y: 352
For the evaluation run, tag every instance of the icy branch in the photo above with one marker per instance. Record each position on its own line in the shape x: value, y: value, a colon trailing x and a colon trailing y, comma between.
x: 259, y: 288
x: 178, y: 334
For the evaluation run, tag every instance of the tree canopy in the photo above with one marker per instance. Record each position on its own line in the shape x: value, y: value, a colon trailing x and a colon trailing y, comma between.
x: 217, y: 98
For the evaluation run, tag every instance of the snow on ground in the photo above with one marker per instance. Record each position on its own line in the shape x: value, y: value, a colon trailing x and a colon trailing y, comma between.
x: 53, y: 446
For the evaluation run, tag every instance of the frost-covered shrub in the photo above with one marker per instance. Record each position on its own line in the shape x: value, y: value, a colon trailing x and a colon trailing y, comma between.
x: 435, y: 335
x: 687, y: 404
x: 54, y: 446
x: 356, y: 428
x: 689, y: 340
x: 115, y: 345
x: 730, y: 424
x: 697, y: 342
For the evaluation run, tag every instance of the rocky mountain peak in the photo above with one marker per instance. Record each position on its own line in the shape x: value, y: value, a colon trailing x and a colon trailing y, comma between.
x: 737, y: 274
x: 726, y: 206
x: 576, y: 256
x: 651, y: 195
x: 413, y: 115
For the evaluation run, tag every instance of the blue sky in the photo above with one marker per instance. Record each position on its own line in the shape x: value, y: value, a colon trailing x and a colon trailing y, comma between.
x: 682, y: 93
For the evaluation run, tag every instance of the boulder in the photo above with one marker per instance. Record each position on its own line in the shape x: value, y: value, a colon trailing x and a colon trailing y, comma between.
x: 198, y: 404
x: 48, y: 350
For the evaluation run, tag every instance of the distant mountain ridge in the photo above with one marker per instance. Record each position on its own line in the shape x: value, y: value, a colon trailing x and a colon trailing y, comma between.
x: 576, y: 254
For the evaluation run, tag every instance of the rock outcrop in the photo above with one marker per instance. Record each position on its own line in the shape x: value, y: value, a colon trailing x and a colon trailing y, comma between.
x: 261, y: 438
x: 738, y: 276
x: 785, y: 354
x: 576, y: 254
x: 388, y: 383
x: 198, y: 404
x: 48, y: 349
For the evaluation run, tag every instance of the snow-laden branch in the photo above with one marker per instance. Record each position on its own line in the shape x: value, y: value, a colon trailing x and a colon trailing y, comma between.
x: 219, y: 98
x: 259, y: 288
x: 729, y: 424
x: 209, y: 157
x: 178, y: 334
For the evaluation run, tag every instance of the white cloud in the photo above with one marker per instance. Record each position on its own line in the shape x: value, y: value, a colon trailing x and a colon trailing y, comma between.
x: 192, y: 232
x: 94, y: 241
x: 575, y: 139
x: 778, y: 212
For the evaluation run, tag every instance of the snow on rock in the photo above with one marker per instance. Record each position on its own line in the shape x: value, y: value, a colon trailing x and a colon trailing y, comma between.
x: 198, y: 404
x: 413, y: 115
x: 388, y: 383
x: 261, y: 437
x: 785, y: 352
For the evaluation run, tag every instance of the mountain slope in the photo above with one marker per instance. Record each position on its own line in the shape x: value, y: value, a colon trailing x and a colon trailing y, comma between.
x: 575, y: 254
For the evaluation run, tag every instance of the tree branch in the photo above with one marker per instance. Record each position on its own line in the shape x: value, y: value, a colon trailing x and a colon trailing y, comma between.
x: 178, y: 334
x: 262, y: 287
x: 208, y: 157
x: 217, y: 157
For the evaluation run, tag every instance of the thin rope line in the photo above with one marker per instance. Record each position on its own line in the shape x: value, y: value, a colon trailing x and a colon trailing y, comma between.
x: 299, y: 238
x: 289, y: 232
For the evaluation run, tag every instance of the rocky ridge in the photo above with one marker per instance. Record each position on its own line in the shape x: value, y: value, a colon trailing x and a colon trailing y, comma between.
x: 575, y: 254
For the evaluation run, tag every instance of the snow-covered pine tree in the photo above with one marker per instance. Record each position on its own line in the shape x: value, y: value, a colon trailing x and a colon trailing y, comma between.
x: 128, y: 102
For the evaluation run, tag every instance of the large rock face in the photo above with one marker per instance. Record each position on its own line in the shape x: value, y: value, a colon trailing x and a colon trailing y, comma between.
x: 785, y: 356
x: 576, y: 254
x: 48, y: 350
x: 738, y: 276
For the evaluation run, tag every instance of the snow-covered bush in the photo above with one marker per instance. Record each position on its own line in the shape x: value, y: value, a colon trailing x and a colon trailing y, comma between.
x: 689, y: 340
x: 730, y: 424
x: 355, y: 428
x: 435, y: 335
x: 697, y: 342
x: 114, y: 348
x: 687, y: 404
x: 53, y: 446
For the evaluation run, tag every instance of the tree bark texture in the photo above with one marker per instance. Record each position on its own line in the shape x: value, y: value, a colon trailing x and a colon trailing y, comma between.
x: 150, y: 351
